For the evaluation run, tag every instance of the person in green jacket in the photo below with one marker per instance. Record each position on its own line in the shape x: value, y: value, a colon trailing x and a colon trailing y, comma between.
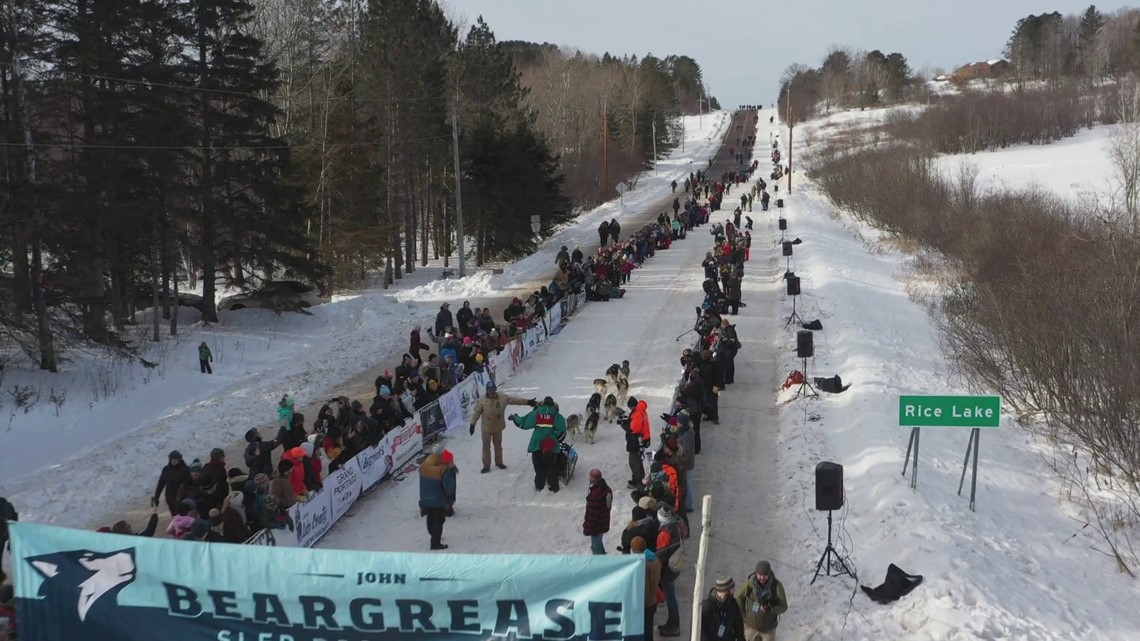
x: 549, y: 428
x: 762, y: 601
x: 204, y: 358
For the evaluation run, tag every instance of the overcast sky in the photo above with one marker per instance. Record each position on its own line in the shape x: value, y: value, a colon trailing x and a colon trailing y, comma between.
x: 744, y: 45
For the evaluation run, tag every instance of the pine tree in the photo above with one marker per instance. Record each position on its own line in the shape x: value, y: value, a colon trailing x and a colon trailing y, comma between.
x: 509, y: 171
x: 1089, y: 40
x: 248, y: 220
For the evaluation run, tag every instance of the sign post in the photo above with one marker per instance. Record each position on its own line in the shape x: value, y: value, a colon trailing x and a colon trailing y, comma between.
x: 974, y: 412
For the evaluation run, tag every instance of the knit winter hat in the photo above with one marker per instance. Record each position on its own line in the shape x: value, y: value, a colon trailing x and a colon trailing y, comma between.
x: 284, y: 466
x: 632, y: 403
x: 595, y: 474
x: 637, y: 544
x: 448, y: 457
x: 384, y: 390
x: 491, y: 387
x: 262, y: 482
x: 235, y: 475
x: 217, y: 454
x: 763, y: 567
x: 307, y: 447
x: 175, y: 455
x: 724, y: 585
x: 252, y: 435
x: 648, y: 503
x: 195, y: 465
x: 638, y: 513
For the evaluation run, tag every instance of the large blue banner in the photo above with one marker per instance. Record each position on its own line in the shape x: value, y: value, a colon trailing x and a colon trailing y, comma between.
x: 73, y: 584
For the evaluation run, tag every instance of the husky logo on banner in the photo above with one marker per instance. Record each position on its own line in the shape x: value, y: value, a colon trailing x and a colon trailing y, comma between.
x: 82, y: 585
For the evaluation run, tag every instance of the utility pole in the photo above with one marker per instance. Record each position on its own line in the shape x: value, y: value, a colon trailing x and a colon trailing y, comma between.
x: 605, y: 151
x: 653, y: 125
x: 790, y: 127
x: 458, y: 189
x: 701, y: 109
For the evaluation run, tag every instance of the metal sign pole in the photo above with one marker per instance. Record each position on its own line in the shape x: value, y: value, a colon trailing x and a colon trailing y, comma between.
x: 974, y: 475
x: 971, y: 448
x: 912, y: 445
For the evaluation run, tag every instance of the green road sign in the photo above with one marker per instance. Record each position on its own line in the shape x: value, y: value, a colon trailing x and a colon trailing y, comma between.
x: 949, y: 411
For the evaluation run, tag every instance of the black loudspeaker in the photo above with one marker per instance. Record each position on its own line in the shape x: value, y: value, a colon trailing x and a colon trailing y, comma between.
x: 828, y: 486
x: 805, y: 345
x: 793, y: 286
x: 783, y: 223
x: 787, y: 247
x: 779, y: 203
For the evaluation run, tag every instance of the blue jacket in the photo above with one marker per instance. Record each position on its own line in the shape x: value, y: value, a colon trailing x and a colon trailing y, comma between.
x: 435, y: 485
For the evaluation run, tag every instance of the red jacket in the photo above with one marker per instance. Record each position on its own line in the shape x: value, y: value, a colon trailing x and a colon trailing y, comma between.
x: 297, y: 474
x: 639, y: 421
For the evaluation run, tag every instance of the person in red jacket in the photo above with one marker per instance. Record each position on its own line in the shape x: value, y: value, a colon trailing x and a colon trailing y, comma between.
x: 599, y: 501
x: 296, y: 456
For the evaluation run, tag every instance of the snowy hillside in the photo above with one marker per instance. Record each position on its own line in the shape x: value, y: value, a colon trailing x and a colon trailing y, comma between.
x: 117, y: 421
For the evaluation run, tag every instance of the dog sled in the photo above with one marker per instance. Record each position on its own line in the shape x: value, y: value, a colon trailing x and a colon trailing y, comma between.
x: 567, y: 461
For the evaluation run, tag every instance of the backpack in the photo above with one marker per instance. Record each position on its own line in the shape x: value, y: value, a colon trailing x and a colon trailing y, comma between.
x: 677, y: 560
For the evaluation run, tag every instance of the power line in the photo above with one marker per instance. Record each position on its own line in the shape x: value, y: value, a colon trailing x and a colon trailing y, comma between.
x: 230, y: 92
x: 63, y: 145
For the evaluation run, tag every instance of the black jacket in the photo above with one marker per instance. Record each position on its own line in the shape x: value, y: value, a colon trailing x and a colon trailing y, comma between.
x: 721, y: 620
x: 443, y: 320
x: 465, y: 317
x: 259, y: 458
x: 646, y: 528
x: 171, y: 479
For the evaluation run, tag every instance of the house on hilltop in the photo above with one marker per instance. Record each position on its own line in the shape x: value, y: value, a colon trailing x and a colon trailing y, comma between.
x: 984, y: 69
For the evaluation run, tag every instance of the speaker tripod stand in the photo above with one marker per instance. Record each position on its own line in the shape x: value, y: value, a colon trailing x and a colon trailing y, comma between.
x: 794, y: 318
x: 807, y: 390
x: 831, y: 559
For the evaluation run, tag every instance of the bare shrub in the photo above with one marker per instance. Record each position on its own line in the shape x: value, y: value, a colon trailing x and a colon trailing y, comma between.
x: 1045, y: 309
x: 975, y: 122
x: 24, y: 396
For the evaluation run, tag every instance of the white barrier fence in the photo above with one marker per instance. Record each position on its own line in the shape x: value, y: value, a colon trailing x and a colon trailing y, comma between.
x: 310, y: 520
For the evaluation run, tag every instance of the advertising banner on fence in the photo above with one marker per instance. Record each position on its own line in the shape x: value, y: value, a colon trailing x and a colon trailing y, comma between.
x: 403, y: 443
x: 516, y: 350
x: 74, y: 584
x: 554, y: 320
x: 460, y: 408
x: 312, y: 518
x: 432, y: 417
x: 344, y: 485
x: 373, y: 466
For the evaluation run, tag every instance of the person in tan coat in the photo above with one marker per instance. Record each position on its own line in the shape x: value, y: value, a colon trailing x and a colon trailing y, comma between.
x: 492, y: 409
x: 652, y: 580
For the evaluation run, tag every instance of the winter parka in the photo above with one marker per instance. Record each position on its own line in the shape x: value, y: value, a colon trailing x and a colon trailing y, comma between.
x: 753, y: 595
x: 434, y: 488
x: 491, y: 410
x: 646, y: 527
x: 721, y: 620
x: 546, y: 423
x: 598, y: 503
x: 652, y: 577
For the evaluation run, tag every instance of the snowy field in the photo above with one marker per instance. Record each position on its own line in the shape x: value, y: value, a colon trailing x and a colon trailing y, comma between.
x: 93, y: 458
x: 1077, y: 168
